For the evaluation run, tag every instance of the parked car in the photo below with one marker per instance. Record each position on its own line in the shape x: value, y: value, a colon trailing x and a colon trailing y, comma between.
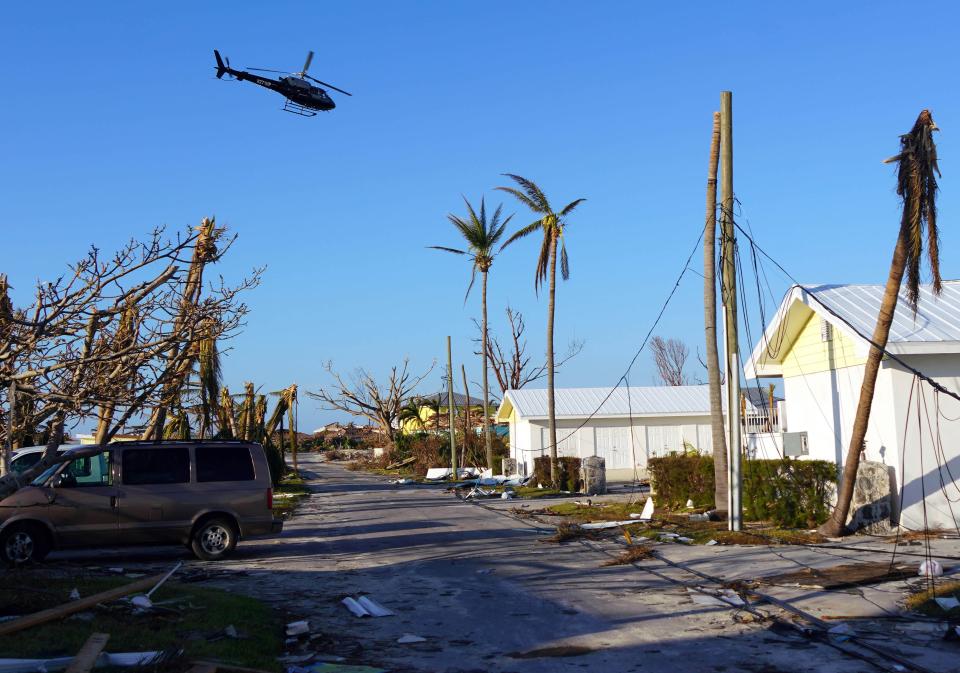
x: 204, y: 494
x: 25, y: 458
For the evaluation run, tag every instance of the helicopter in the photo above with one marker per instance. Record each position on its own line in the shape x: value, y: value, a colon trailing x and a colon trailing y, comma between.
x: 303, y: 98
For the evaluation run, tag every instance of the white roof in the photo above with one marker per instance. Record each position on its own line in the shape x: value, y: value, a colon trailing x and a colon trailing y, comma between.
x: 854, y: 309
x: 582, y: 402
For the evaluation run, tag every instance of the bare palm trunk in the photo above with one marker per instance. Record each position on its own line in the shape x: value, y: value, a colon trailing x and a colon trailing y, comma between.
x: 293, y: 436
x: 466, y: 415
x: 837, y: 523
x: 710, y: 324
x: 551, y: 406
x: 486, y: 381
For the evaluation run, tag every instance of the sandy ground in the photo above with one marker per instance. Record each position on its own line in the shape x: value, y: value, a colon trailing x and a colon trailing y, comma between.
x: 484, y: 590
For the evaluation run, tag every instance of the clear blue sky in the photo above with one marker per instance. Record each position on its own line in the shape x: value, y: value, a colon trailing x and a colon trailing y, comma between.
x: 114, y: 123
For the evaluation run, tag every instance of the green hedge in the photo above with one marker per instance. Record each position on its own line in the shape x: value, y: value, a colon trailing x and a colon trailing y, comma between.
x: 790, y: 493
x: 568, y: 473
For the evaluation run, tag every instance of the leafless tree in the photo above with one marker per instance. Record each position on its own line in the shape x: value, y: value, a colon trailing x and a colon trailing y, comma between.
x: 670, y: 357
x: 362, y: 395
x: 97, y: 342
x: 511, y: 365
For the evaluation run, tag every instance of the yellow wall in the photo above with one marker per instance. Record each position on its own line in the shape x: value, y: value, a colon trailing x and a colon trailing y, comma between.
x: 809, y: 354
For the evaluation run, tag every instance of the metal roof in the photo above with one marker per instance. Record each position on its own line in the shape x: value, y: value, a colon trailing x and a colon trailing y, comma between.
x: 640, y: 401
x: 937, y: 319
x: 459, y: 399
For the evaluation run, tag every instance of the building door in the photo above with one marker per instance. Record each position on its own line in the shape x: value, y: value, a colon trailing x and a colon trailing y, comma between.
x: 613, y: 445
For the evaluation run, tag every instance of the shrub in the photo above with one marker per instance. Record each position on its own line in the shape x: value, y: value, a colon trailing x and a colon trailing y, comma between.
x: 680, y: 477
x: 790, y: 493
x: 568, y: 472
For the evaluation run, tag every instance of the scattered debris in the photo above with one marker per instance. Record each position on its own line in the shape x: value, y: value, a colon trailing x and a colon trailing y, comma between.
x: 842, y: 632
x: 119, y: 571
x: 143, y: 602
x: 403, y: 481
x: 80, y: 605
x: 364, y: 606
x: 947, y: 603
x: 408, y: 638
x: 87, y: 656
x: 402, y: 463
x: 725, y: 598
x: 600, y: 525
x: 700, y: 517
x: 689, y: 503
x: 647, y: 513
x: 844, y: 576
x: 630, y: 555
x: 711, y: 543
x: 119, y: 659
x: 930, y: 568
x: 571, y: 531
x: 74, y: 594
x: 298, y: 628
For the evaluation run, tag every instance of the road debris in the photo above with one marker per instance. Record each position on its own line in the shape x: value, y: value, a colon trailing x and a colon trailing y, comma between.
x: 600, y: 525
x: 87, y: 656
x: 947, y: 603
x: 930, y: 568
x: 628, y: 556
x: 364, y: 606
x: 298, y: 628
x: 119, y: 659
x: 143, y: 602
x: 408, y: 638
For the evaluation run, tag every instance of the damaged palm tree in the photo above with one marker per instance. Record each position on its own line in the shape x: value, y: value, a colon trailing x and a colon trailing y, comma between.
x: 917, y: 187
x: 186, y: 355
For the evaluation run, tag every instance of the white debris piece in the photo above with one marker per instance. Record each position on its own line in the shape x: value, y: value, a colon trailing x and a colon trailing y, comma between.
x: 353, y: 606
x: 842, y: 631
x: 437, y: 473
x: 689, y: 503
x: 647, y: 513
x: 711, y: 543
x: 507, y: 495
x: 298, y: 628
x: 669, y: 535
x: 408, y: 638
x: 605, y: 524
x: 142, y: 602
x: 931, y: 569
x: 947, y: 603
x: 685, y: 540
x: 74, y: 595
x: 60, y: 663
x: 374, y: 608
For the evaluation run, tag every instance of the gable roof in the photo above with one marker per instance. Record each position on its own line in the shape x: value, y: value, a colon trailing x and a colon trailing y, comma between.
x: 853, y: 309
x: 531, y: 403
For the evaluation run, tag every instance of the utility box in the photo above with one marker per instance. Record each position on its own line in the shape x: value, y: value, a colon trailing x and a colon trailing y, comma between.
x: 795, y: 444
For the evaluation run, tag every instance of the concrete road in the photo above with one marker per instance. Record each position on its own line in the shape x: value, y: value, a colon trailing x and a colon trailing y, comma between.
x: 488, y: 594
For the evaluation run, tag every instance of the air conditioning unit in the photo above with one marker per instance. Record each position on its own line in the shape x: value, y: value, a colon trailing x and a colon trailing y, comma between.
x: 795, y: 444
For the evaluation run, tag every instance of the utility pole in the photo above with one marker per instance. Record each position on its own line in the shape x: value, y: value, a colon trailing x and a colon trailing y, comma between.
x: 735, y: 476
x: 450, y: 408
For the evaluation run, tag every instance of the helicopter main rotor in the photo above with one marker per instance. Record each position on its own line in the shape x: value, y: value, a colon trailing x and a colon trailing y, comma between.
x: 303, y: 74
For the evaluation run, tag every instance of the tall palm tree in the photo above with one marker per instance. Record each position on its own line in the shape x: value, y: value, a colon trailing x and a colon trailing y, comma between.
x: 917, y: 187
x: 410, y: 414
x: 553, y: 225
x: 481, y: 236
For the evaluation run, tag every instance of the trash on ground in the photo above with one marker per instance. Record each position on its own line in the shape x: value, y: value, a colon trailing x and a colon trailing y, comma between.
x: 647, y: 513
x: 50, y: 614
x: 599, y: 525
x: 947, y: 603
x: 689, y: 503
x: 725, y: 598
x: 74, y: 595
x: 143, y: 602
x: 571, y: 531
x: 930, y: 568
x: 298, y: 628
x: 438, y: 473
x: 85, y: 659
x: 629, y: 555
x: 711, y: 543
x: 843, y: 576
x: 401, y: 463
x: 119, y: 571
x: 685, y: 540
x: 841, y: 631
x: 408, y: 638
x: 403, y: 481
x: 364, y: 606
x: 700, y: 517
x: 120, y: 659
x: 508, y: 495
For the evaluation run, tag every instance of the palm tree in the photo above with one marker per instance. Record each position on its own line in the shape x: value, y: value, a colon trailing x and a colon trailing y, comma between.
x: 482, y: 237
x: 410, y: 413
x: 553, y: 224
x: 917, y: 187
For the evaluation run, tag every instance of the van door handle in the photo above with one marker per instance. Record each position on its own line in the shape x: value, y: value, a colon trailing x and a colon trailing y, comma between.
x: 114, y: 502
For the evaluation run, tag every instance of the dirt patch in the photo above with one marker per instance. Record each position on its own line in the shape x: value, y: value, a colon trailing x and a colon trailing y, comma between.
x: 845, y: 575
x: 559, y: 651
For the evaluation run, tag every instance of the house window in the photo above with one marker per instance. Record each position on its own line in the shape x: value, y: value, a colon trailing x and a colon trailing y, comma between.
x: 826, y: 330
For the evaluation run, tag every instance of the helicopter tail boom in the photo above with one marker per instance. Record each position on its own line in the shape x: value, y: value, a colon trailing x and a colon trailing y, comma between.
x: 221, y: 68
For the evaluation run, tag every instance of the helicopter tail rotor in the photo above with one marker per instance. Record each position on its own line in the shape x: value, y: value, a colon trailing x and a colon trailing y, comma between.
x: 221, y: 68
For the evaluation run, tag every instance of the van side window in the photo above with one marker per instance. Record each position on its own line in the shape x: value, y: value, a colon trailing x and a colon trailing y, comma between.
x: 156, y: 466
x: 91, y: 471
x: 224, y: 463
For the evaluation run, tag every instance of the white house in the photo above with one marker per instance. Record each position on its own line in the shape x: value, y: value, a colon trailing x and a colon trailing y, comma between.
x: 818, y: 344
x: 598, y: 421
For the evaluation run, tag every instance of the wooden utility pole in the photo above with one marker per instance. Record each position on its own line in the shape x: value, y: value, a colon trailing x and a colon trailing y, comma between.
x: 721, y: 494
x: 466, y: 414
x: 11, y: 419
x: 734, y: 481
x: 450, y: 408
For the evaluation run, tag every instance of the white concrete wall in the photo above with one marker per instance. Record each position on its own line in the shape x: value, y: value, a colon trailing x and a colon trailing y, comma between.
x: 626, y: 452
x: 764, y: 445
x: 928, y: 469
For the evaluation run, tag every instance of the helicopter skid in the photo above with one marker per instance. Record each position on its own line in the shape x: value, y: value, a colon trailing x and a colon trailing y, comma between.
x: 297, y: 109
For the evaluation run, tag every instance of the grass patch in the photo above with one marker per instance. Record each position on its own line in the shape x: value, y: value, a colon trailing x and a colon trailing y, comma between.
x: 700, y: 532
x: 632, y: 554
x: 291, y: 490
x: 196, y: 615
x: 923, y: 602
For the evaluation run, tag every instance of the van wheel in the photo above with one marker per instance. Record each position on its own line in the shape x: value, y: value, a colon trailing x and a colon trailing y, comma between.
x: 214, y: 539
x: 24, y: 543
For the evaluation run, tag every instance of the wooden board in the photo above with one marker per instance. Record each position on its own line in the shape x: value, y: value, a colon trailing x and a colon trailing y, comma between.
x: 87, y: 656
